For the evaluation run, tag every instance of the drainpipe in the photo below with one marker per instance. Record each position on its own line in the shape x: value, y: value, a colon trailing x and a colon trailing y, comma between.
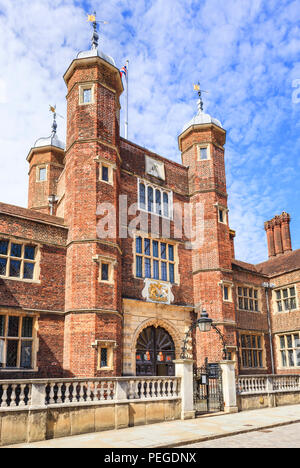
x: 269, y: 286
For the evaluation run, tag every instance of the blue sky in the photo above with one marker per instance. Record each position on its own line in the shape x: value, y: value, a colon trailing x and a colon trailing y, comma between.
x: 244, y: 52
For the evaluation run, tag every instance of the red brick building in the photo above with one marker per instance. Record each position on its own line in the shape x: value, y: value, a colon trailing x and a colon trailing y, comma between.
x: 120, y: 250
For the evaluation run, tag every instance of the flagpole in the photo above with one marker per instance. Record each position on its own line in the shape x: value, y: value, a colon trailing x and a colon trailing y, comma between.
x: 126, y: 119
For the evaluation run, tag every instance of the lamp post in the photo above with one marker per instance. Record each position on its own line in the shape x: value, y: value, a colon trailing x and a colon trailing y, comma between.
x: 204, y: 324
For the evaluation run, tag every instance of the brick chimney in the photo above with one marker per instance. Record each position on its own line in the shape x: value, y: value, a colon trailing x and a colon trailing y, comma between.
x: 278, y: 235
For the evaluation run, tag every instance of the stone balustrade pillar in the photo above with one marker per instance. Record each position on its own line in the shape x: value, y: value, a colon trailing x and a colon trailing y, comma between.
x: 184, y: 369
x: 38, y: 395
x: 229, y: 386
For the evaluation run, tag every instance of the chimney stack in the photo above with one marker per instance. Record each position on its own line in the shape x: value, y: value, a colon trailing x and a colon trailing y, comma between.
x: 278, y: 235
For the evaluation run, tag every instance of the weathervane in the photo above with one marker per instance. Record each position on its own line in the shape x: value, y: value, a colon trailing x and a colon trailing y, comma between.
x: 95, y: 36
x: 200, y: 91
x: 54, y: 125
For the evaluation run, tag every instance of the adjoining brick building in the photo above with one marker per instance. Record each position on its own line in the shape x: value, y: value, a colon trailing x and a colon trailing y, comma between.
x: 101, y: 275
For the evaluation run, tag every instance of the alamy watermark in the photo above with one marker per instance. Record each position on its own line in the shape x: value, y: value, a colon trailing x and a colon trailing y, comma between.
x: 185, y: 224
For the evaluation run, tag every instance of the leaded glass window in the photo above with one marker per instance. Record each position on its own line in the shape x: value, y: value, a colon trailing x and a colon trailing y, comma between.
x: 154, y: 199
x: 104, y: 173
x: 17, y: 260
x: 248, y: 299
x: 286, y: 299
x: 103, y: 357
x: 16, y: 341
x: 155, y: 259
x: 150, y: 199
x: 142, y: 196
x: 251, y: 350
x: 290, y: 349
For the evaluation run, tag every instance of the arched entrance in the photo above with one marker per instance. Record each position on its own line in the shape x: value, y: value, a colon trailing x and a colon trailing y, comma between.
x: 155, y: 352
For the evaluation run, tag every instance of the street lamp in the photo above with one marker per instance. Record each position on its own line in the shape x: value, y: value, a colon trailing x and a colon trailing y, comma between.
x: 204, y: 324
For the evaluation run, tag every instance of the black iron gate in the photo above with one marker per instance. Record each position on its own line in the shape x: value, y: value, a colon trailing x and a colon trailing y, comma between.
x: 208, y: 390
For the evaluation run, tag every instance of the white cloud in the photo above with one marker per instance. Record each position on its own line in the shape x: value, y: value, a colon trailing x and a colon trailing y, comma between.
x: 246, y: 54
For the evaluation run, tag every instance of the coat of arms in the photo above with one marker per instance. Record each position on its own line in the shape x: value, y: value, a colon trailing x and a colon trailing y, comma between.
x: 157, y: 291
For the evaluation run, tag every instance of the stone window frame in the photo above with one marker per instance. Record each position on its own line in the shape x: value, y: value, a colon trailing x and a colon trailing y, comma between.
x: 283, y: 299
x: 254, y: 350
x: 287, y: 349
x: 155, y: 188
x: 38, y: 168
x: 160, y: 241
x: 5, y: 338
x: 82, y: 88
x: 227, y: 284
x: 111, y: 262
x: 224, y: 210
x: 111, y: 167
x: 248, y: 297
x: 201, y: 146
x: 110, y: 346
x: 22, y: 259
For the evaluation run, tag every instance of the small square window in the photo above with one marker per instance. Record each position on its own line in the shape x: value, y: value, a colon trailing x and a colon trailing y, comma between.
x: 103, y: 357
x: 203, y: 154
x: 104, y: 271
x: 221, y: 216
x: 87, y: 95
x: 42, y: 174
x: 105, y: 174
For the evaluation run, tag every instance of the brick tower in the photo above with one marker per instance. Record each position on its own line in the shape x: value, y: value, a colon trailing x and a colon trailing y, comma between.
x: 46, y: 163
x: 93, y: 290
x: 202, y: 146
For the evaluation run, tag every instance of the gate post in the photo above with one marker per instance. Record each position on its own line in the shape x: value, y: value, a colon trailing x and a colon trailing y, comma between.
x: 229, y: 386
x: 184, y: 369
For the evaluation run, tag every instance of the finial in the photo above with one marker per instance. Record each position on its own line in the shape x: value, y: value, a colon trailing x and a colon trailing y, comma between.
x: 95, y: 36
x: 54, y: 125
x: 200, y: 101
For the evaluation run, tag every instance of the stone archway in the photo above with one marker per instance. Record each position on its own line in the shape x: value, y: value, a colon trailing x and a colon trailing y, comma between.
x: 160, y: 340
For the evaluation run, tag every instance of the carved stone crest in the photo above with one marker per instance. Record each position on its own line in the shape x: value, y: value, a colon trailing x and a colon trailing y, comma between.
x: 157, y: 291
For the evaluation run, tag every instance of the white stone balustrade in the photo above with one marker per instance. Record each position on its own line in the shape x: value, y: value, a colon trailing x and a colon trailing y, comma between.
x: 47, y: 392
x: 259, y: 384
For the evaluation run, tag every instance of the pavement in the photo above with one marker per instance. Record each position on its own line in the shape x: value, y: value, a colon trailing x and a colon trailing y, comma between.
x: 178, y: 433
